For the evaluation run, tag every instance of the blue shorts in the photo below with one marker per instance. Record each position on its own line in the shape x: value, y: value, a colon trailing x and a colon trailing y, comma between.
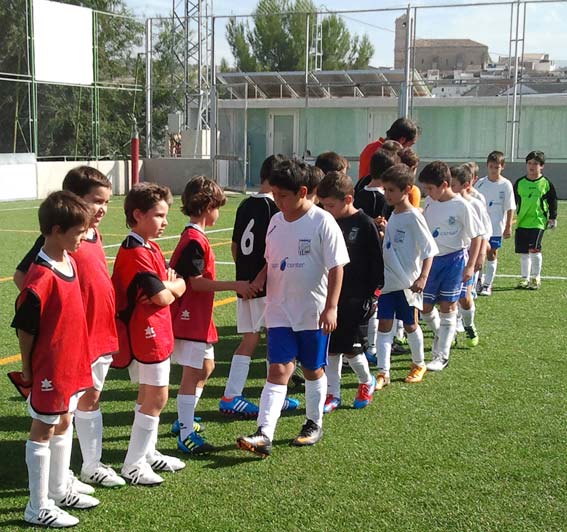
x: 445, y: 278
x: 309, y: 347
x: 464, y: 287
x: 395, y: 304
x: 495, y: 242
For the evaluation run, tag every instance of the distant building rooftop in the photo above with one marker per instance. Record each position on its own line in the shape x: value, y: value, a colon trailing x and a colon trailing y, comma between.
x: 447, y: 43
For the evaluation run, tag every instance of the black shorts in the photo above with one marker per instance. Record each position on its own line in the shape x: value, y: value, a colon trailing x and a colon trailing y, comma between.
x: 352, y: 313
x: 528, y: 240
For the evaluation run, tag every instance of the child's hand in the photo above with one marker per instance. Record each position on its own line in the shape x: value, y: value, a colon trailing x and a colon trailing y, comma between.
x: 468, y: 273
x: 257, y: 285
x: 507, y: 233
x: 419, y: 285
x: 381, y: 222
x: 171, y: 275
x: 244, y: 289
x: 551, y: 224
x: 328, y: 320
x: 479, y: 262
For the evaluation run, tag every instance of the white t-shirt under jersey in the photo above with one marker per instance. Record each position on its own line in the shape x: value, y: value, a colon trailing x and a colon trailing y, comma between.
x: 407, y: 243
x: 299, y: 256
x: 453, y: 223
x: 482, y: 214
x: 499, y: 196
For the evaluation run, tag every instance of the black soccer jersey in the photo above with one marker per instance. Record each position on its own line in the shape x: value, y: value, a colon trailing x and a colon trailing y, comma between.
x: 250, y: 226
x: 365, y: 271
x: 372, y: 202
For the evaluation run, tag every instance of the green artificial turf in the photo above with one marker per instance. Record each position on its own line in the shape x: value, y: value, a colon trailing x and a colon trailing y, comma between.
x: 480, y: 446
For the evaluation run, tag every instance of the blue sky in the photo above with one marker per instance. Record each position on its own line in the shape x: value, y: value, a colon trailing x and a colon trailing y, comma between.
x: 545, y: 24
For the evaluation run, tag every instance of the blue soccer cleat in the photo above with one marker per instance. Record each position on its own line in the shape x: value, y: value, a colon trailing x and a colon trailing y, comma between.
x: 176, y: 427
x: 194, y: 444
x: 290, y: 404
x: 238, y: 406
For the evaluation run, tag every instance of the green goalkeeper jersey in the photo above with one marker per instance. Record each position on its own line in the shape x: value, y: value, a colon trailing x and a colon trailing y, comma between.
x: 536, y: 202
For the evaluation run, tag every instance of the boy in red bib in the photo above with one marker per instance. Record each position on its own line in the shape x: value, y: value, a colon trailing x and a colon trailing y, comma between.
x: 98, y: 300
x: 54, y: 358
x: 145, y: 288
x: 193, y: 325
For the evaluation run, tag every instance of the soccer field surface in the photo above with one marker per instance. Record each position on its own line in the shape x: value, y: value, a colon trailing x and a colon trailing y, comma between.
x: 480, y: 446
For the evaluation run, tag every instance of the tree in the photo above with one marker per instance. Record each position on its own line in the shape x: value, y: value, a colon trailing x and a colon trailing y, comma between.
x: 277, y: 42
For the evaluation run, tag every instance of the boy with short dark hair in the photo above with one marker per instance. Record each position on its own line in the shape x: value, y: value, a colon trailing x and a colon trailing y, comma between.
x: 193, y: 325
x: 454, y: 227
x: 98, y: 299
x: 536, y: 211
x: 55, y: 358
x: 145, y: 288
x: 370, y: 198
x: 331, y: 161
x: 362, y: 275
x: 461, y: 183
x: 305, y: 254
x: 499, y: 198
x: 408, y: 250
x: 248, y: 245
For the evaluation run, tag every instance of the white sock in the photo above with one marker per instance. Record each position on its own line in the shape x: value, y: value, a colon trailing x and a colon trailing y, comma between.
x: 271, y: 403
x: 399, y: 329
x: 447, y: 329
x: 432, y: 320
x: 89, y: 431
x: 37, y: 460
x: 359, y: 365
x: 315, y: 399
x: 490, y: 272
x: 237, y: 376
x: 415, y: 341
x: 537, y: 259
x: 198, y: 393
x: 372, y: 332
x: 384, y: 351
x: 185, y: 414
x: 333, y: 371
x: 525, y: 265
x: 144, y: 431
x: 468, y: 315
x: 60, y: 447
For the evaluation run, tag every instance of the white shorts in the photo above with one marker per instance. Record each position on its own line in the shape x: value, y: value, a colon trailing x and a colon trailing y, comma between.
x: 99, y: 369
x: 192, y: 354
x: 250, y: 315
x: 54, y: 419
x: 153, y: 374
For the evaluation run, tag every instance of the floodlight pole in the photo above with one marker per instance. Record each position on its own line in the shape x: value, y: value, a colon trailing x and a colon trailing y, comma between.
x: 404, y: 98
x: 149, y: 88
x: 213, y: 100
x: 306, y: 83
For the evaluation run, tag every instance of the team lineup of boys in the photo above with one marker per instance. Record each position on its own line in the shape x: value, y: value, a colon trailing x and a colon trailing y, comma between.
x: 317, y: 259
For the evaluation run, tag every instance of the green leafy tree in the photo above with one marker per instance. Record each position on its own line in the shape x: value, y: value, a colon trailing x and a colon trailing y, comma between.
x: 277, y: 42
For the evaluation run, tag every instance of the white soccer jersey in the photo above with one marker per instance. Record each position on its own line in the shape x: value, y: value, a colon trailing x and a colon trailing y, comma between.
x: 299, y: 256
x: 499, y: 197
x: 482, y: 214
x: 453, y: 223
x: 407, y: 243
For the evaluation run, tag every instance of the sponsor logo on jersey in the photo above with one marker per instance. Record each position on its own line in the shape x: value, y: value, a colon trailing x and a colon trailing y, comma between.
x: 46, y: 385
x: 353, y: 234
x: 185, y: 315
x: 304, y: 246
x: 150, y: 332
x: 400, y: 236
x: 284, y: 265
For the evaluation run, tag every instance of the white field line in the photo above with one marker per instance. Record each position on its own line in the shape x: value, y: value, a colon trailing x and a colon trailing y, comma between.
x: 20, y: 209
x: 548, y: 277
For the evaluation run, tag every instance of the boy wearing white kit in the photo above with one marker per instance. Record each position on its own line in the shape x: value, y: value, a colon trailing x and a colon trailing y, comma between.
x: 408, y: 251
x: 461, y: 178
x: 305, y: 254
x: 499, y: 195
x: 52, y: 332
x: 454, y: 227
